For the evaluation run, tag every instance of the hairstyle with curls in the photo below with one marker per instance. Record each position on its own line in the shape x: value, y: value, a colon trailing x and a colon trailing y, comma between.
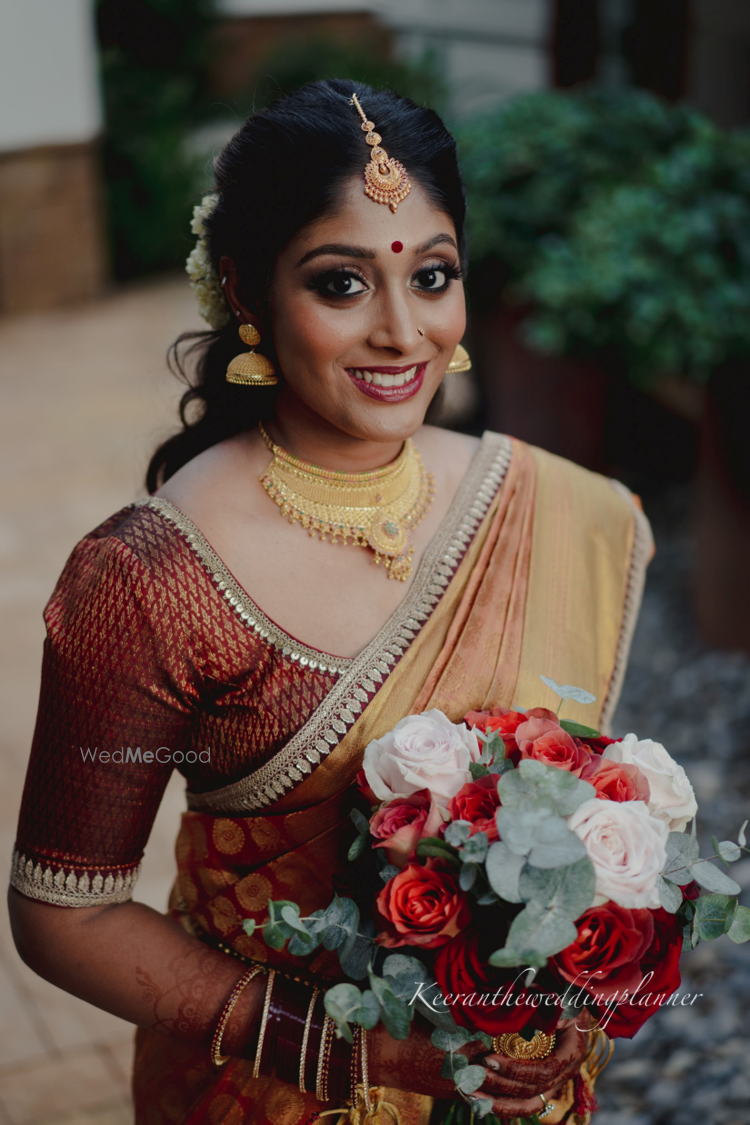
x: 280, y: 171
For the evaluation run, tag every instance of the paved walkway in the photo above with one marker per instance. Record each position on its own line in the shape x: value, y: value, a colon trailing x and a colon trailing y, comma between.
x: 85, y: 397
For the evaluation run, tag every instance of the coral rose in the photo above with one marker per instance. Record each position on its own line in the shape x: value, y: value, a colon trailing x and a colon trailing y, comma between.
x: 488, y: 999
x: 619, y: 782
x: 422, y: 905
x: 422, y: 751
x: 541, y: 737
x: 401, y: 824
x: 628, y: 848
x: 672, y: 798
x: 477, y: 802
x: 605, y: 957
x: 501, y: 720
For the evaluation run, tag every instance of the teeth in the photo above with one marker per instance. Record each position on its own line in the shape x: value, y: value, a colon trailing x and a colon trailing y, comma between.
x: 383, y: 379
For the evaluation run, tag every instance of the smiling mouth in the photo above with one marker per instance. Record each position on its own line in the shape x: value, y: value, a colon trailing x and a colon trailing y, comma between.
x: 386, y: 377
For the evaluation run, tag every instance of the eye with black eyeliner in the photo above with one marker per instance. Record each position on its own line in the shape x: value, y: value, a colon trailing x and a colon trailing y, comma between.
x: 436, y: 277
x: 338, y: 283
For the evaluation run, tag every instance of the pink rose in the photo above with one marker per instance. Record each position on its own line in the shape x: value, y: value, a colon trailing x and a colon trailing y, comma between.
x: 422, y: 751
x: 615, y: 781
x: 628, y: 848
x: 401, y: 824
x: 422, y: 905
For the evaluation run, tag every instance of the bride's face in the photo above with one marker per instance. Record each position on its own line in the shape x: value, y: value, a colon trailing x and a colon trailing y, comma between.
x: 366, y: 309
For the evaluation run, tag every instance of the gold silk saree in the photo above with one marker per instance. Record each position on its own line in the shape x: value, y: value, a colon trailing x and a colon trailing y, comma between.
x: 537, y: 569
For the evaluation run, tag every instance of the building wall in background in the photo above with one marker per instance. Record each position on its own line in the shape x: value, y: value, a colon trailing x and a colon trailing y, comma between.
x: 489, y: 49
x: 51, y: 228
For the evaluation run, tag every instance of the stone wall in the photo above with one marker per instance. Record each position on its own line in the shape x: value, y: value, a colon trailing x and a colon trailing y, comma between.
x: 51, y: 226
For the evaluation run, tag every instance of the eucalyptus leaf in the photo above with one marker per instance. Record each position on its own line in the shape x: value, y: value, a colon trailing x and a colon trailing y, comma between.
x: 714, y: 880
x: 467, y: 876
x: 292, y: 919
x: 567, y: 890
x: 509, y: 958
x: 482, y: 1107
x: 389, y: 872
x: 556, y: 845
x: 503, y: 766
x: 710, y: 915
x: 360, y: 822
x: 475, y: 848
x: 477, y: 770
x: 682, y: 852
x: 670, y: 895
x: 369, y: 1012
x: 350, y: 924
x: 399, y: 964
x: 741, y: 837
x: 458, y: 832
x: 568, y: 691
x: 503, y: 871
x: 729, y: 851
x: 355, y: 965
x: 394, y: 1013
x: 488, y: 899
x: 248, y: 926
x: 470, y: 1078
x: 359, y: 846
x: 534, y: 781
x: 300, y: 946
x: 541, y: 929
x: 739, y: 931
x: 443, y: 1041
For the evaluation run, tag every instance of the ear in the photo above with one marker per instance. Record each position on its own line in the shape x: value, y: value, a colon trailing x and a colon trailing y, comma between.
x: 231, y: 283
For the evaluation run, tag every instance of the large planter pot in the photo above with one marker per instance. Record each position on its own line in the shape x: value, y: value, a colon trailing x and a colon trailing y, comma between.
x: 557, y: 403
x: 722, y: 512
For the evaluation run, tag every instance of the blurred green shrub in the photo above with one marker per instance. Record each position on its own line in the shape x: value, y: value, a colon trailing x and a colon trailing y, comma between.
x: 154, y: 57
x: 621, y: 222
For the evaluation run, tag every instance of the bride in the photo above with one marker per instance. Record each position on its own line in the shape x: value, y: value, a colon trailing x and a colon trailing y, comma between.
x: 233, y: 625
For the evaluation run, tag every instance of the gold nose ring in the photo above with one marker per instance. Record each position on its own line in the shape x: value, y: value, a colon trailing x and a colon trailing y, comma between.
x: 421, y: 333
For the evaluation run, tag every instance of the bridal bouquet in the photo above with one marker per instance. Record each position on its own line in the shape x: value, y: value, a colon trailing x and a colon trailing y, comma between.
x: 515, y: 868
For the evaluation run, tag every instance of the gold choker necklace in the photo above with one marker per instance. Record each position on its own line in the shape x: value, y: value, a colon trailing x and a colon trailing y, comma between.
x: 376, y: 509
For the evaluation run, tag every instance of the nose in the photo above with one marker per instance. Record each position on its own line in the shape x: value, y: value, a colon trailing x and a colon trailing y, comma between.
x: 394, y: 326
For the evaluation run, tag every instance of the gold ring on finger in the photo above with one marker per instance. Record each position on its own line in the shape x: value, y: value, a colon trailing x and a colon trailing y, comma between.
x: 514, y: 1046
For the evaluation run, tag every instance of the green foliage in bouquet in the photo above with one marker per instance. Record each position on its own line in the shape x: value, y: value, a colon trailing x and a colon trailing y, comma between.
x: 621, y: 222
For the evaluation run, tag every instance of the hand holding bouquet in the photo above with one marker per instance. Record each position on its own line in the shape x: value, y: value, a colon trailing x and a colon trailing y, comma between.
x: 516, y: 870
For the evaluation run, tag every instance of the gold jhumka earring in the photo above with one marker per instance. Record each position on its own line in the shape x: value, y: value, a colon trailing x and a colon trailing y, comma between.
x: 386, y: 180
x: 461, y: 361
x: 250, y: 369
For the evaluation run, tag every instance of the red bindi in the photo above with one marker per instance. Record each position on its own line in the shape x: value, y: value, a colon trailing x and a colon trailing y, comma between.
x: 397, y: 247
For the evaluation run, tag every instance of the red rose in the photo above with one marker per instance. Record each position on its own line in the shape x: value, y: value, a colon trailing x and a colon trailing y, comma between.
x: 401, y: 824
x: 660, y: 968
x: 422, y: 906
x: 605, y: 957
x: 691, y: 891
x: 477, y: 802
x: 542, y: 738
x: 618, y: 781
x: 491, y: 1000
x: 501, y: 720
x: 365, y: 790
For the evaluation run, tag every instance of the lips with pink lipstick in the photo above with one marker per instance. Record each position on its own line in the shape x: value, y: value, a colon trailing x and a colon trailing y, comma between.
x: 388, y: 384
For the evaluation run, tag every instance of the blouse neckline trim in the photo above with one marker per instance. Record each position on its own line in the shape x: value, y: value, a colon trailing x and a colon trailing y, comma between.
x: 360, y: 681
x: 239, y: 601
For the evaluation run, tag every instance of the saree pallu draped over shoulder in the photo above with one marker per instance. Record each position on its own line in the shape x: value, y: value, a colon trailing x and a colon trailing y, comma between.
x: 537, y: 569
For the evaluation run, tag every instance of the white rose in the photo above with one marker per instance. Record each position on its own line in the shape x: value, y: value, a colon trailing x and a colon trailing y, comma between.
x: 628, y: 848
x: 672, y: 798
x: 424, y: 751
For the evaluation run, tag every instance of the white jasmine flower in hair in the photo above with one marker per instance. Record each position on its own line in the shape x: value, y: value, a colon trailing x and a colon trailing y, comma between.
x: 212, y: 304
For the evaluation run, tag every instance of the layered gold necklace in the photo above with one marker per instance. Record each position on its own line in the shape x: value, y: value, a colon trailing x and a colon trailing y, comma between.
x: 376, y: 509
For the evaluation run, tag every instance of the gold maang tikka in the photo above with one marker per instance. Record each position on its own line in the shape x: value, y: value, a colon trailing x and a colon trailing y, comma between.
x: 386, y: 180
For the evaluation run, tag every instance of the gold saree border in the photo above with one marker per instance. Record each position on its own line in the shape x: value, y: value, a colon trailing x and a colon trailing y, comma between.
x: 59, y: 885
x: 359, y: 684
x: 238, y: 600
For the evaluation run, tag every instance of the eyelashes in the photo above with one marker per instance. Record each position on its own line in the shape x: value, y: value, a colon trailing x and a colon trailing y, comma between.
x: 346, y: 282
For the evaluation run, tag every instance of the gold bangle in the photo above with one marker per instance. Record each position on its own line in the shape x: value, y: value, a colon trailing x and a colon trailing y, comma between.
x: 305, y: 1037
x: 263, y: 1023
x: 216, y: 1056
x: 321, y: 1082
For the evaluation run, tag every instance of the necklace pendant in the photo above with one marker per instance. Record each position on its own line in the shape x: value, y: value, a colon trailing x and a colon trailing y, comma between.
x: 387, y: 535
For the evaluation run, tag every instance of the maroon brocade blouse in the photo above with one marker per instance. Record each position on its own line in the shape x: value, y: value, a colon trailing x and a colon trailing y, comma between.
x: 155, y: 659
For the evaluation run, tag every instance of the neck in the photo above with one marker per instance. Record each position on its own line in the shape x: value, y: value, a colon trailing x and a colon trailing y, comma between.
x: 312, y: 438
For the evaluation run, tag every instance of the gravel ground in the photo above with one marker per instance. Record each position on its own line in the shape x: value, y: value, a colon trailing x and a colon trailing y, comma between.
x: 689, y: 1066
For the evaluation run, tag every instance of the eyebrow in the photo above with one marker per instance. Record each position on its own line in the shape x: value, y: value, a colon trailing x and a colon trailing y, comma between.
x: 344, y: 251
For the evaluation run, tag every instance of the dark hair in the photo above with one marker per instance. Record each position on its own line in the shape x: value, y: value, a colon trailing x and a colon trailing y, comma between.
x: 280, y: 171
